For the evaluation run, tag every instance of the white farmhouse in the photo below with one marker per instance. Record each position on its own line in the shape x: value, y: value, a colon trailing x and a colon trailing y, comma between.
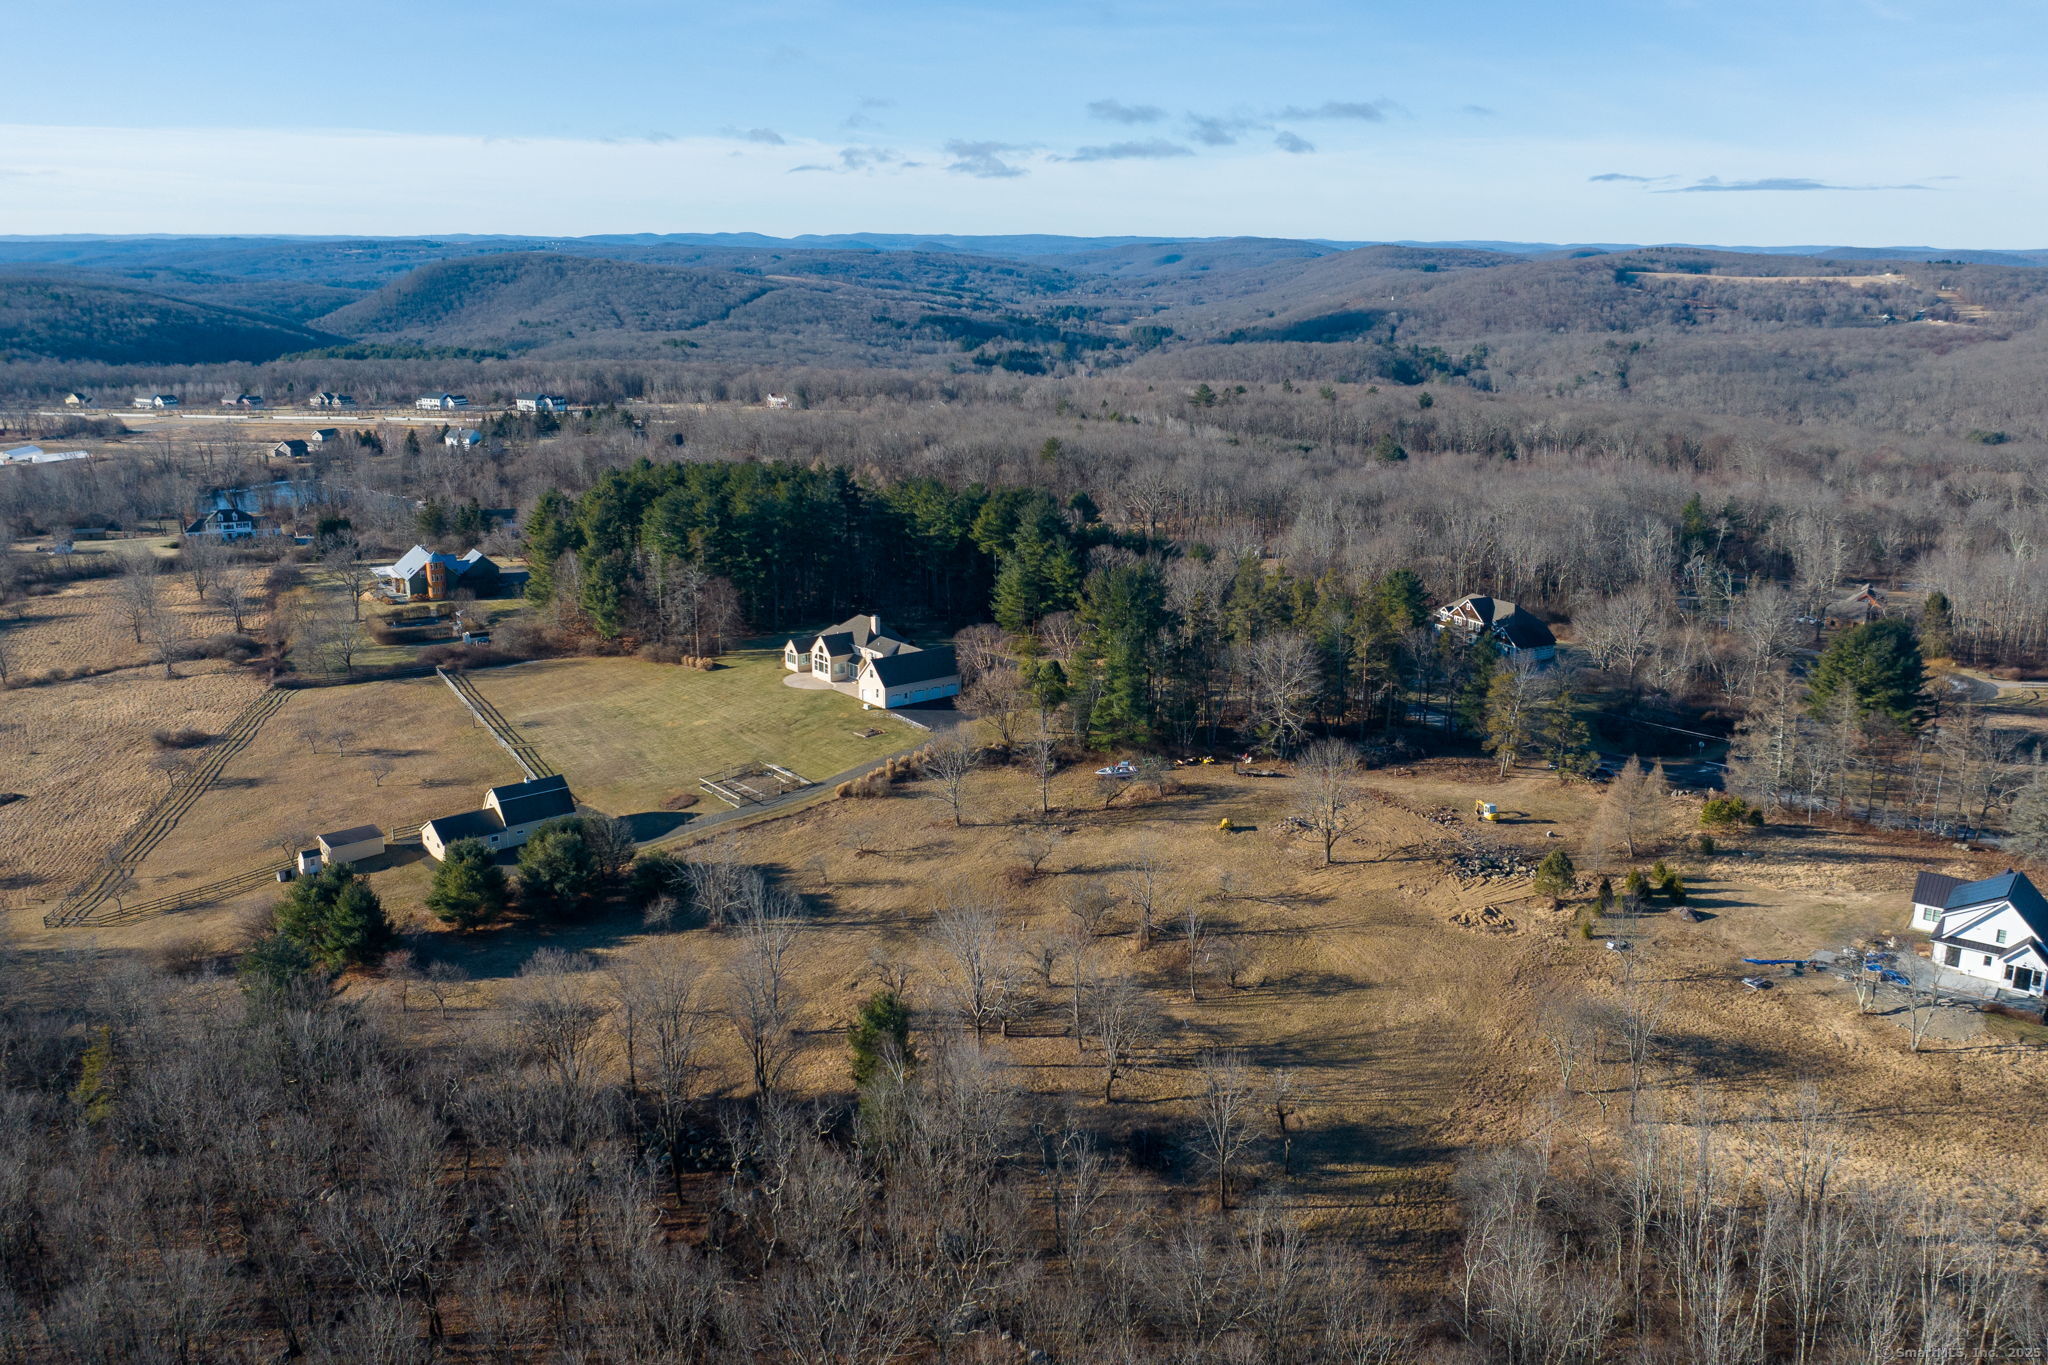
x: 858, y: 657
x: 540, y: 402
x: 1993, y: 930
x: 439, y: 402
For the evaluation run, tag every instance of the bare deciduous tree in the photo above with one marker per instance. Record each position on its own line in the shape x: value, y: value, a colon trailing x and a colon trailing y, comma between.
x: 949, y: 764
x: 140, y: 591
x: 204, y: 559
x: 352, y: 574
x: 557, y: 1015
x: 1280, y: 680
x: 1328, y: 802
x: 1122, y: 1019
x: 982, y: 990
x: 760, y: 998
x: 997, y: 698
x: 1227, y: 1118
x: 1622, y: 632
x: 237, y: 591
x: 1631, y: 813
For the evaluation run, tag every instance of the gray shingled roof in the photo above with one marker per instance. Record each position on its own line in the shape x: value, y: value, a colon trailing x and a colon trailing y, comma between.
x: 471, y: 824
x: 915, y: 666
x: 544, y: 798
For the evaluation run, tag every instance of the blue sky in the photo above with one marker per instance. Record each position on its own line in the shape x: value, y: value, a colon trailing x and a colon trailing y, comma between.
x: 1866, y: 122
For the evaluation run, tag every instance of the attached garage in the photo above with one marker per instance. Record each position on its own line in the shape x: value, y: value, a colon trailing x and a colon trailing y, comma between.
x: 905, y: 679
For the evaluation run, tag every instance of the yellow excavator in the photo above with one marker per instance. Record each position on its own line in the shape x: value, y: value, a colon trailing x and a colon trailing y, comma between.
x: 1486, y: 810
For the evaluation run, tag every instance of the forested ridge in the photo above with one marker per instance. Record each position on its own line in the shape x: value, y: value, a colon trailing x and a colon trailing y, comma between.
x: 1912, y: 345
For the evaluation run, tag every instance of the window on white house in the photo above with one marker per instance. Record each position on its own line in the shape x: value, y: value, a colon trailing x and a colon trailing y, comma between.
x: 1987, y: 959
x: 2001, y: 937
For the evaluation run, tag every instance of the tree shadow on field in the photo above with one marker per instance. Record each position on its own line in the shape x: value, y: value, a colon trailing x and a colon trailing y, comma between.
x: 653, y: 824
x: 1720, y: 1059
x: 1715, y: 894
x: 1396, y: 1145
x: 497, y: 953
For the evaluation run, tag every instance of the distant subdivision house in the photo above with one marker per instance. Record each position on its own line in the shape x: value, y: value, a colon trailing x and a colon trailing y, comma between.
x: 463, y: 440
x: 540, y: 402
x: 323, y: 436
x: 1994, y: 930
x: 77, y: 400
x: 858, y: 657
x: 777, y: 400
x: 157, y: 400
x: 1862, y: 606
x: 437, y: 402
x: 33, y: 454
x: 290, y: 450
x: 430, y: 576
x: 1516, y: 631
x: 242, y: 400
x: 508, y: 819
x: 225, y: 524
x: 331, y: 400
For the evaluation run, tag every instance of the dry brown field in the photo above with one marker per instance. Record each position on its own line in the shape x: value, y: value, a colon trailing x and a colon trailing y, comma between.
x: 81, y: 755
x: 82, y: 626
x: 1410, y: 1012
x: 390, y: 754
x: 1413, y: 1025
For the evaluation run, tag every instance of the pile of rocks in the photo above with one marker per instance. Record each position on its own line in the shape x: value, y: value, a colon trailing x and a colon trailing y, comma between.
x: 1477, y: 862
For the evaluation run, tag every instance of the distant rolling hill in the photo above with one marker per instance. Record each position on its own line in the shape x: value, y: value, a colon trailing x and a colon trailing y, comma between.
x: 43, y: 318
x: 842, y: 307
x: 520, y: 302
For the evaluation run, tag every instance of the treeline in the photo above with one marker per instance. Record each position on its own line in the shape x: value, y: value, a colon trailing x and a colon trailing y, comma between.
x: 800, y: 545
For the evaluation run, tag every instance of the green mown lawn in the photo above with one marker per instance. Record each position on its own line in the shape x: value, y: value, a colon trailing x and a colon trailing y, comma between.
x: 630, y: 734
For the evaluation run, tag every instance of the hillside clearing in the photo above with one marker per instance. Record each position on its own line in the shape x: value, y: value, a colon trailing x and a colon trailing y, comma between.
x: 633, y: 735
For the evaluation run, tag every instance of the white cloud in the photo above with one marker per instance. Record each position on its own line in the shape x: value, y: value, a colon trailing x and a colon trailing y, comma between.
x: 1485, y: 184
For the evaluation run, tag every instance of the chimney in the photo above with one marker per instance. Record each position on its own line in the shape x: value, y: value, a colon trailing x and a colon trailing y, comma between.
x: 874, y: 624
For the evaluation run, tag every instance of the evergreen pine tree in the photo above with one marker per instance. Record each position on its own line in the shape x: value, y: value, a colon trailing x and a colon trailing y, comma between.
x: 1874, y: 669
x: 1555, y: 875
x: 880, y: 1031
x: 1937, y: 626
x: 557, y: 866
x: 469, y: 888
x: 334, y: 917
x: 95, y: 1091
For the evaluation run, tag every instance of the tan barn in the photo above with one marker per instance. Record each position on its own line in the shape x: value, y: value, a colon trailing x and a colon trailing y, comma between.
x: 351, y: 845
x: 510, y: 816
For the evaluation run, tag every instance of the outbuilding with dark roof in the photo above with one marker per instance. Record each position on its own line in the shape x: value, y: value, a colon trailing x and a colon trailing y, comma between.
x: 510, y: 816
